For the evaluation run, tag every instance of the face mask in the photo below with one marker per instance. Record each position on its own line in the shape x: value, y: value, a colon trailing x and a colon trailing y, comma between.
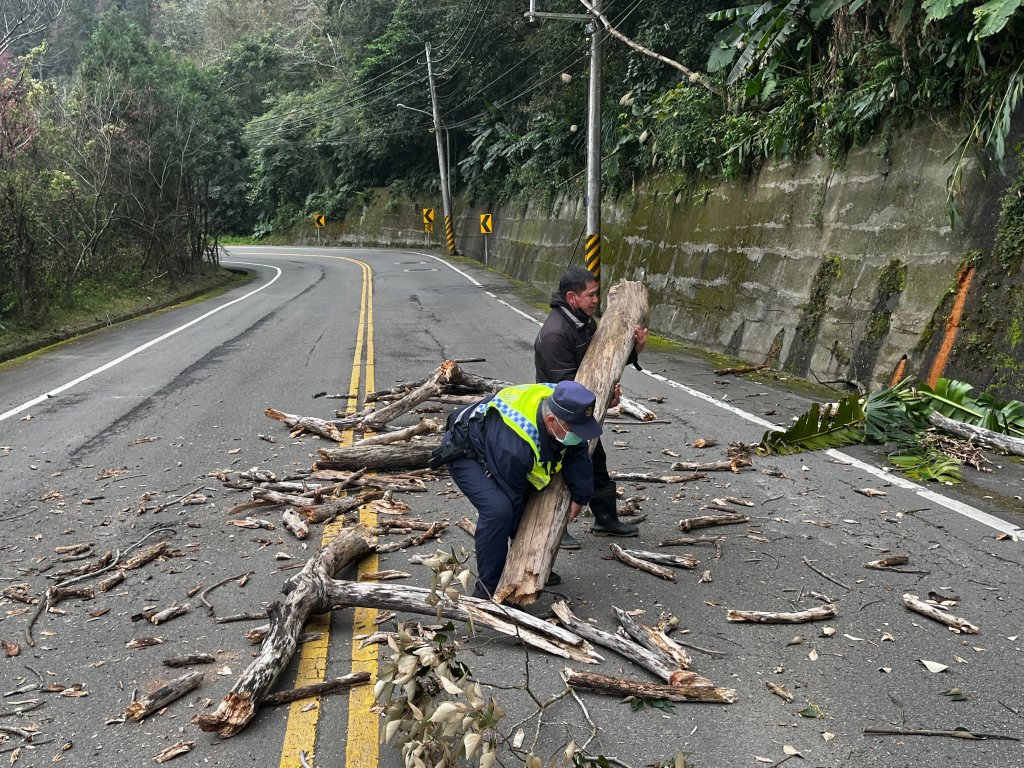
x: 569, y: 438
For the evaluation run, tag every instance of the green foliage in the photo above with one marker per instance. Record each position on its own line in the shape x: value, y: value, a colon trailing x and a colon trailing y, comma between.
x: 818, y: 429
x: 928, y: 465
x: 950, y: 398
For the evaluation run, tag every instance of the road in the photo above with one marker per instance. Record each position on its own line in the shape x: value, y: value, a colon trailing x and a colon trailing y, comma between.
x: 103, y: 437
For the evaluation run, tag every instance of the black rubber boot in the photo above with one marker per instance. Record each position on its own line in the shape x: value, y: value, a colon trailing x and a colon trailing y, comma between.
x: 606, y: 522
x: 568, y: 541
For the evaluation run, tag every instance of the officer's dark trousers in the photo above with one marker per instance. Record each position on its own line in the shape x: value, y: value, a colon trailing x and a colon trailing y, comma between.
x: 602, y: 480
x: 497, y: 522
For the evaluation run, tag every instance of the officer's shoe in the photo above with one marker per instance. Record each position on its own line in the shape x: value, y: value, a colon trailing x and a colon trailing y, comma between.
x: 606, y: 522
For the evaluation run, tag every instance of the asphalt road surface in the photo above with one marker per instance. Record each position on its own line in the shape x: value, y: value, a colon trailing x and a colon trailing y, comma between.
x: 104, y: 439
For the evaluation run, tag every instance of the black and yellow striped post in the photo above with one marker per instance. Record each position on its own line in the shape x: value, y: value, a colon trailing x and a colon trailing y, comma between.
x: 449, y: 233
x: 593, y: 257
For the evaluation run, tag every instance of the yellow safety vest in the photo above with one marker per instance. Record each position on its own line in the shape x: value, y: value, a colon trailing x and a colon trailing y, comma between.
x: 518, y: 408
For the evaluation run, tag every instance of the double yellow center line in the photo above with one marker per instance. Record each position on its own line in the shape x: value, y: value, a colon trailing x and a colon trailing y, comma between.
x: 361, y: 744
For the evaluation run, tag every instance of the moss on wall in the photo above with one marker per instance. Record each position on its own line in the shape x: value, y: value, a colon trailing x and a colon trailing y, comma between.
x: 806, y: 335
x: 891, y: 282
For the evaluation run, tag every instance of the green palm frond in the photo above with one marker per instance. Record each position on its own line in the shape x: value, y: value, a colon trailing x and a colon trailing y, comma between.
x: 929, y: 465
x: 950, y: 398
x: 817, y: 430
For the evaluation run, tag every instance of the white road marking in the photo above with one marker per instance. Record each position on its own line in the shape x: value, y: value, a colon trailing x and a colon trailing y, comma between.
x: 936, y: 498
x: 142, y: 348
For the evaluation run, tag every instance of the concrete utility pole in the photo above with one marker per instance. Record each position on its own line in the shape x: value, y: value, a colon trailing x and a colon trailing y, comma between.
x: 593, y: 198
x: 446, y: 194
x: 593, y: 249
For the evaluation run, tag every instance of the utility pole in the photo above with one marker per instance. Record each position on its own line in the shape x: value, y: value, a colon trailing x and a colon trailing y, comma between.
x: 593, y: 197
x: 442, y: 162
x: 593, y: 249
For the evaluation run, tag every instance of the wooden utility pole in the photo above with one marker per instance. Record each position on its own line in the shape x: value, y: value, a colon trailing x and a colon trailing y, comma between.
x: 547, y: 512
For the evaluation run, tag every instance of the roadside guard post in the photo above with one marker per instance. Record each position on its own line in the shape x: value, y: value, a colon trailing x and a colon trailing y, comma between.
x: 486, y: 227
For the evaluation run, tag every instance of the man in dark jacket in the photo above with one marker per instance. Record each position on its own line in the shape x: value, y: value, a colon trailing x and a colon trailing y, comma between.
x: 501, y: 449
x: 558, y: 352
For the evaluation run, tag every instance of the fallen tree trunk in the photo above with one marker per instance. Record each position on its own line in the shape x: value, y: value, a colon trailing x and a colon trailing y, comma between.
x: 310, y: 593
x: 1005, y: 443
x: 620, y: 687
x: 375, y: 457
x: 163, y: 696
x: 534, y: 548
x: 937, y: 614
x: 654, y: 639
x: 771, y: 617
x: 657, y: 662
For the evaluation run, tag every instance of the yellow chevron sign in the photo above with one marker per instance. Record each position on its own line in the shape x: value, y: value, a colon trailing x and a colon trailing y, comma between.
x: 319, y: 220
x: 485, y: 224
x: 428, y: 215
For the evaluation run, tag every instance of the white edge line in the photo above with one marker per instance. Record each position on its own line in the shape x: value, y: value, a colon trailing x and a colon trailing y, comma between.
x: 153, y: 342
x: 936, y: 498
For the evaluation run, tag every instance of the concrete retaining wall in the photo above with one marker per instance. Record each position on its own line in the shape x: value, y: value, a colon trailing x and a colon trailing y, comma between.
x: 844, y: 267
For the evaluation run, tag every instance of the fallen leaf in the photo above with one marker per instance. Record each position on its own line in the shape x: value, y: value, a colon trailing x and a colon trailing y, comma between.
x: 224, y: 671
x: 11, y: 649
x: 827, y: 736
x: 798, y: 640
x: 888, y: 636
x: 813, y: 655
x: 233, y: 451
x: 828, y: 631
x: 886, y: 670
x: 933, y: 666
x: 955, y: 694
x: 790, y: 750
x: 1006, y: 536
x: 811, y: 710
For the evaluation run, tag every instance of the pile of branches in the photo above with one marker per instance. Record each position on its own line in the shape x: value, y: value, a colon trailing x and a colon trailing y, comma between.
x: 910, y: 417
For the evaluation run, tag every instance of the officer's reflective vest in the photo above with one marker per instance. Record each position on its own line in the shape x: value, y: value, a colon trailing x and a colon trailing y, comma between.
x: 518, y: 408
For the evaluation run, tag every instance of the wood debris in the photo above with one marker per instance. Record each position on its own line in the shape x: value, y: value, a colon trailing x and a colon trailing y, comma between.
x: 777, y: 617
x: 936, y: 613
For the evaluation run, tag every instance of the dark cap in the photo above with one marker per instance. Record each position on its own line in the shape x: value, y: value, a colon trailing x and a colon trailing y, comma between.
x: 574, y: 404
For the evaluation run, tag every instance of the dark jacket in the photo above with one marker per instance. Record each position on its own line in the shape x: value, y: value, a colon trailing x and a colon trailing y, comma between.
x: 509, y: 458
x: 562, y: 342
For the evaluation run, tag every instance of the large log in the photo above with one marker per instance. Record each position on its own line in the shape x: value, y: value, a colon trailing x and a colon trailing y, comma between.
x: 653, y: 639
x: 447, y: 377
x: 1004, y: 443
x: 310, y: 594
x: 375, y: 457
x: 423, y: 427
x: 536, y: 543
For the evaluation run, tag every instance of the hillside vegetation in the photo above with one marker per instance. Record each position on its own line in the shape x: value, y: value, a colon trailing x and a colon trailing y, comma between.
x: 134, y: 134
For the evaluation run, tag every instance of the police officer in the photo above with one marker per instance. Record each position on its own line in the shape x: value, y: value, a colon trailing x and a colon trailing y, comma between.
x: 558, y: 351
x: 501, y: 449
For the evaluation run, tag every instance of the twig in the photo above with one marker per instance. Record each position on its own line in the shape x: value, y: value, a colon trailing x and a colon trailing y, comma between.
x: 208, y: 590
x: 716, y: 654
x: 824, y: 575
x: 957, y: 734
